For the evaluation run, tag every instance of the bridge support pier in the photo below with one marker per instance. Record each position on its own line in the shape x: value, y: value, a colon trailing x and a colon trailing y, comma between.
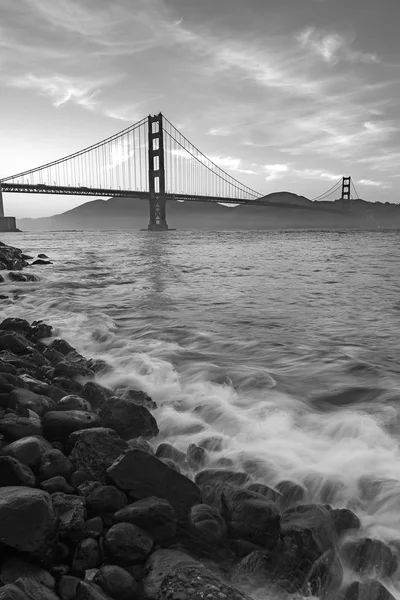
x: 6, y: 223
x: 346, y: 183
x: 157, y: 199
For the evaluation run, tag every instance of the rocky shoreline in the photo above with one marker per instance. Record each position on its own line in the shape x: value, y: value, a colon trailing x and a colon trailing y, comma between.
x: 92, y: 508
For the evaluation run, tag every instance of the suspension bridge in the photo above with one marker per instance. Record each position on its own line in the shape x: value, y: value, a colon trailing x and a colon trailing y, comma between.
x: 150, y: 160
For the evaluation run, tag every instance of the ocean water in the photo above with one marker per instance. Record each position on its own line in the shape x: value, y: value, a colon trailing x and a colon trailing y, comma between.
x: 284, y: 344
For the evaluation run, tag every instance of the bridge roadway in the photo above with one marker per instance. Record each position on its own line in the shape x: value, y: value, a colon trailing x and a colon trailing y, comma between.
x: 21, y: 188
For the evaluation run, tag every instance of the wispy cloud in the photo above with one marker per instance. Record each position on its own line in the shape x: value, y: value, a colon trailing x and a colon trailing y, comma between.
x: 332, y: 47
x: 371, y: 183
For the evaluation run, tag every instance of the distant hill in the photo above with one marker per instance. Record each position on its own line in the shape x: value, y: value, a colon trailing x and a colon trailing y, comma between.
x: 287, y: 211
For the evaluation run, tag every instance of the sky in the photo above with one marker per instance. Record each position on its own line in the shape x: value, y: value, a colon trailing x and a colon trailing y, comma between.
x: 283, y: 94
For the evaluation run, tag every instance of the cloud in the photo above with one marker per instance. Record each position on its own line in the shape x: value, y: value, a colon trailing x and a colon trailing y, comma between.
x: 371, y: 183
x: 275, y: 171
x: 332, y: 47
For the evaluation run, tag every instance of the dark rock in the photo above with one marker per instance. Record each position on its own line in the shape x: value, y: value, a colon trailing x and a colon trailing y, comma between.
x: 208, y: 522
x: 168, y: 451
x: 57, y: 484
x: 255, y: 567
x: 90, y: 591
x: 67, y: 587
x: 12, y: 473
x: 5, y: 386
x: 41, y: 388
x: 28, y: 450
x: 268, y: 493
x: 15, y: 324
x: 87, y: 556
x: 96, y: 394
x: 366, y: 590
x: 173, y: 574
x: 95, y: 526
x: 251, y: 517
x: 77, y: 478
x: 213, y: 481
x: 138, y: 444
x: 116, y: 582
x: 14, y: 342
x: 58, y: 426
x: 106, y: 500
x: 143, y: 475
x: 136, y: 396
x: 87, y: 487
x: 172, y: 464
x: 71, y: 512
x: 95, y: 450
x: 291, y: 494
x: 53, y: 463
x: 15, y: 427
x: 73, y: 402
x: 344, y: 520
x: 154, y: 515
x: 125, y: 543
x: 15, y: 276
x: 370, y: 556
x: 42, y: 255
x: 14, y: 568
x: 41, y: 261
x: 12, y: 592
x: 72, y: 369
x: 39, y: 330
x: 62, y: 346
x: 27, y: 518
x: 67, y: 385
x: 196, y: 456
x: 326, y: 576
x: 35, y: 590
x: 27, y: 399
x: 128, y: 419
x: 212, y: 443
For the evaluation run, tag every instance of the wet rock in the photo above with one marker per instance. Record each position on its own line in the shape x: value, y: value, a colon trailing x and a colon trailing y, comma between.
x: 291, y: 494
x: 41, y: 388
x: 13, y: 473
x: 106, y: 500
x: 35, y: 590
x: 42, y: 255
x: 14, y: 342
x: 15, y: 427
x: 325, y: 577
x: 213, y: 481
x: 95, y: 450
x: 168, y: 451
x: 138, y: 444
x: 87, y: 556
x: 366, y: 590
x: 128, y: 419
x: 71, y: 512
x: 27, y: 518
x: 53, y: 463
x: 14, y: 568
x: 15, y: 324
x: 142, y: 475
x: 344, y: 520
x: 255, y: 567
x: 208, y: 522
x: 268, y: 493
x: 251, y: 517
x: 95, y: 526
x: 62, y: 346
x: 69, y: 386
x: 116, y: 582
x: 173, y: 574
x: 5, y: 386
x: 72, y: 369
x: 196, y: 456
x: 87, y: 487
x: 15, y: 276
x: 28, y: 450
x: 90, y: 591
x: 58, y: 426
x: 154, y: 515
x: 125, y: 543
x: 96, y: 394
x: 370, y: 556
x: 57, y: 484
x: 78, y: 478
x: 27, y: 399
x: 39, y: 330
x: 172, y: 464
x: 12, y: 592
x: 73, y: 402
x: 41, y: 261
x: 67, y: 587
x: 137, y: 396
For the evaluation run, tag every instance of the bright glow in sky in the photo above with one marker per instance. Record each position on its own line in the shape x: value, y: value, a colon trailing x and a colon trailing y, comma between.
x: 287, y: 95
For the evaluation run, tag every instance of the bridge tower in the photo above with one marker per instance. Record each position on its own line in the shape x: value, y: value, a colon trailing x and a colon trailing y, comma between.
x: 1, y: 202
x: 346, y: 184
x: 156, y: 174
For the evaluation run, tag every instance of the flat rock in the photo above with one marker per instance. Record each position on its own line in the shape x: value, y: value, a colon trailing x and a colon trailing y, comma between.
x: 27, y: 518
x: 95, y: 450
x: 143, y: 475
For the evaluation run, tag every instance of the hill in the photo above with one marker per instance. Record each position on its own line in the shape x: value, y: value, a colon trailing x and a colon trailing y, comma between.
x: 287, y: 211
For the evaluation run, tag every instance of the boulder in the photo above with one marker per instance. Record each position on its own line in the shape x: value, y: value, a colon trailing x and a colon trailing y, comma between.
x: 15, y: 427
x: 73, y: 402
x: 268, y: 493
x: 27, y: 399
x: 15, y: 324
x: 35, y: 590
x: 370, y: 556
x: 41, y: 388
x: 128, y: 419
x: 154, y: 515
x: 67, y: 587
x: 87, y: 556
x: 125, y: 543
x: 12, y: 472
x: 96, y: 394
x: 173, y: 574
x: 209, y: 523
x: 142, y: 475
x: 168, y: 451
x: 72, y: 368
x: 95, y: 450
x: 366, y: 590
x: 196, y: 457
x: 14, y: 568
x: 58, y: 426
x: 14, y: 342
x: 27, y: 518
x: 71, y: 512
x: 28, y: 450
x: 106, y: 500
x: 291, y: 494
x: 116, y: 582
x: 86, y: 590
x: 53, y: 463
x: 344, y: 520
x: 12, y: 592
x: 57, y: 484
